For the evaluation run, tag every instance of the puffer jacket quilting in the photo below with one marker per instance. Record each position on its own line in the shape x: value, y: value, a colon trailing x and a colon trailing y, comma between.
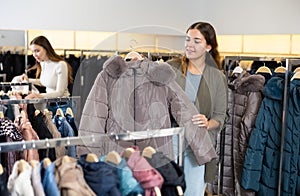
x: 244, y: 99
x: 137, y: 96
x: 261, y: 166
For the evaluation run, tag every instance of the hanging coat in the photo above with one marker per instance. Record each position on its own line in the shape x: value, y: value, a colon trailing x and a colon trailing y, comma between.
x: 244, y: 100
x: 138, y: 96
x: 261, y: 166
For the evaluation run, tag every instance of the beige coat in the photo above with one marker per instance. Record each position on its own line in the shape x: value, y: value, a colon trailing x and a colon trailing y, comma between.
x: 70, y: 178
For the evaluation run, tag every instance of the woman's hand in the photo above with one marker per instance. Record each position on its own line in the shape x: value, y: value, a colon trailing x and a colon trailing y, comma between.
x: 33, y: 96
x: 24, y: 77
x: 200, y: 120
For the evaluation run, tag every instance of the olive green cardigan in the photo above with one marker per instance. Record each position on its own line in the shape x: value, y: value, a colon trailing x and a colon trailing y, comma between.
x: 211, y: 101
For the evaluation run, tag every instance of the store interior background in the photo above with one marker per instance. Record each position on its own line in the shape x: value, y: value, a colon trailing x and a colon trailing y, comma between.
x: 268, y: 28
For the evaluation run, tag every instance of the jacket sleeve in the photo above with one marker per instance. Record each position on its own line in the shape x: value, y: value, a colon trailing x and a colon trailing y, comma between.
x: 182, y: 110
x: 252, y: 167
x: 219, y: 104
x: 248, y: 120
x: 94, y: 116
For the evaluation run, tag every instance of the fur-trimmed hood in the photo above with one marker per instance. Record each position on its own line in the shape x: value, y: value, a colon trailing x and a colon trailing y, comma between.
x: 141, y: 95
x: 248, y: 83
x: 274, y: 88
x: 158, y: 73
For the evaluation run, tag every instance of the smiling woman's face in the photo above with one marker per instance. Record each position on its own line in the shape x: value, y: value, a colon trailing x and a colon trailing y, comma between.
x: 195, y: 44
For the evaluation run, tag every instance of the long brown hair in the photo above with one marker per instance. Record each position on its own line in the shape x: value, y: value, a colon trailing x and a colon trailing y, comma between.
x: 51, y: 54
x: 209, y: 33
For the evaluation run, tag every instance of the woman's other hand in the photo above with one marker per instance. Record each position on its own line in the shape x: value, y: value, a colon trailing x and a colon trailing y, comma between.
x: 200, y: 120
x: 24, y: 77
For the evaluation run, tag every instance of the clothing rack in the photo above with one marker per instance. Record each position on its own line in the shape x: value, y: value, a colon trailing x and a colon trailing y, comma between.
x: 82, y: 140
x: 82, y: 51
x: 146, y: 53
x: 289, y: 63
x: 228, y: 61
x: 156, y: 54
x: 38, y: 100
x: 9, y: 84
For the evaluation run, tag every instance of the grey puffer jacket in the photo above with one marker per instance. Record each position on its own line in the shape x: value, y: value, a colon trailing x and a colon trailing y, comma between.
x: 244, y: 100
x: 138, y: 96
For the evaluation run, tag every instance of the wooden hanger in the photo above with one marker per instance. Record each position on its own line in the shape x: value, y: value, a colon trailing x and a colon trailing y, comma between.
x: 46, y: 162
x: 21, y: 166
x: 34, y: 163
x: 280, y: 69
x: 113, y: 157
x: 157, y: 191
x: 91, y: 157
x: 128, y: 152
x: 70, y: 112
x: 66, y: 159
x: 297, y: 69
x: 148, y: 152
x: 1, y: 169
x: 36, y: 112
x: 1, y: 114
x: 179, y: 190
x: 23, y: 114
x: 46, y: 110
x: 296, y: 75
x: 133, y: 56
x: 59, y: 112
x: 264, y: 69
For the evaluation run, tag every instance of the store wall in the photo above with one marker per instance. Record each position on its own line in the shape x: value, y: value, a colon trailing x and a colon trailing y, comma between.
x: 230, y: 17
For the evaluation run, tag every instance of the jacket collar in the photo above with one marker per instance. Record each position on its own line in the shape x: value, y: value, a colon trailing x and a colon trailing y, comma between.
x: 247, y: 83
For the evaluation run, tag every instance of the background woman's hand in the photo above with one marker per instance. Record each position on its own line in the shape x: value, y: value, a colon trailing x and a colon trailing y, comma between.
x: 24, y: 77
x: 33, y: 96
x: 200, y: 120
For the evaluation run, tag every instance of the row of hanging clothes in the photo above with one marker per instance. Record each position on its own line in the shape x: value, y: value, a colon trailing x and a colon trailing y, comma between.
x: 250, y: 145
x: 21, y: 121
x: 35, y: 125
x: 12, y: 63
x: 86, y: 67
x: 133, y: 173
x: 130, y: 172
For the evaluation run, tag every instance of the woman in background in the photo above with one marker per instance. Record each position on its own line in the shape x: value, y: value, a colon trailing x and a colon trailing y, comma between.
x: 52, y: 71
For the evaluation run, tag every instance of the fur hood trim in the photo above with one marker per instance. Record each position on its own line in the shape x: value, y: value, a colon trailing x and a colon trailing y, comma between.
x: 158, y: 73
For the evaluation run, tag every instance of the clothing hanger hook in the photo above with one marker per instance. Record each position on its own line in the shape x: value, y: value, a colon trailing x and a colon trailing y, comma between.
x: 68, y: 141
x: 47, y: 145
x: 24, y: 145
x: 33, y: 144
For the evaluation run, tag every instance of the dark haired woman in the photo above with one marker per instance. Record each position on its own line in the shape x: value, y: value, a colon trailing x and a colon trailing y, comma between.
x: 199, y: 74
x: 52, y: 71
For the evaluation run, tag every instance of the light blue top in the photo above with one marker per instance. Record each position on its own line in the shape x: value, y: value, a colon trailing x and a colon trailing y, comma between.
x: 192, y: 85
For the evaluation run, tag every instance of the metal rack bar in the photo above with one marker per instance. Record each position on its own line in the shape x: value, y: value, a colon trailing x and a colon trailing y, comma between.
x: 38, y: 100
x: 82, y: 140
x: 8, y: 84
x: 289, y: 64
